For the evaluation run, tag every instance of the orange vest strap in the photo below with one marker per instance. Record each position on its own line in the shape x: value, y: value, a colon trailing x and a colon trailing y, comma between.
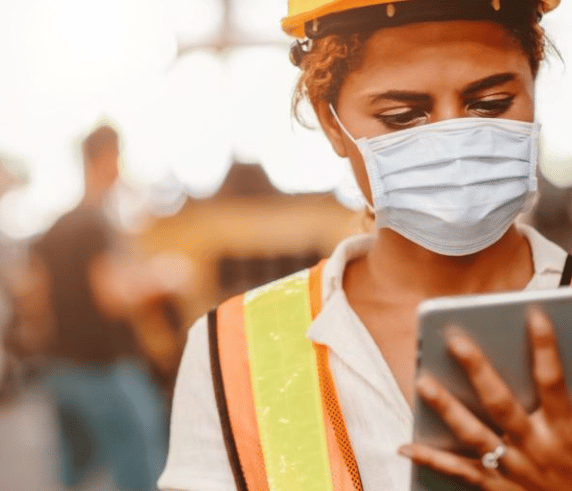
x: 343, y: 463
x: 315, y: 287
x: 232, y: 379
x: 236, y: 410
x: 344, y: 467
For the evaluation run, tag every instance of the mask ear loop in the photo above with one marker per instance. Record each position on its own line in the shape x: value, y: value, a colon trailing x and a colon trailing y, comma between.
x: 369, y: 207
x: 341, y: 125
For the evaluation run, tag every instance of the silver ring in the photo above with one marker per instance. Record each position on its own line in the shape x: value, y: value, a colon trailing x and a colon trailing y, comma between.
x: 491, y: 459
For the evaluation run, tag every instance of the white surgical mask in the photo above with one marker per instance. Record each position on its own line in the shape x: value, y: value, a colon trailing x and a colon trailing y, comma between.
x: 452, y: 187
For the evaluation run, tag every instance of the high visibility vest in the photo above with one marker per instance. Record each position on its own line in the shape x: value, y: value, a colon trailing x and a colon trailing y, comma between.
x: 279, y: 411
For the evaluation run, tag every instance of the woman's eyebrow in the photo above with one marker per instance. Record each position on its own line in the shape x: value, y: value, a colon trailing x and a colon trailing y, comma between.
x: 401, y: 96
x: 472, y: 88
x: 487, y: 83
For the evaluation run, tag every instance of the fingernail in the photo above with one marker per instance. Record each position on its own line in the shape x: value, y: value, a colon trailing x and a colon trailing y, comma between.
x: 405, y: 451
x: 426, y: 387
x: 537, y: 320
x: 460, y: 345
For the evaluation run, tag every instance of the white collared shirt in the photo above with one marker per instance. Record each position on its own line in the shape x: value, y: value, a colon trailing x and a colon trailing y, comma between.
x: 377, y: 416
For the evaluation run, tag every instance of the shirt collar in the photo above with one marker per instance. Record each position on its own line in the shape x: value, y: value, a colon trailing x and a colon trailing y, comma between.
x: 348, y: 249
x: 547, y: 256
x: 339, y: 328
x: 330, y: 327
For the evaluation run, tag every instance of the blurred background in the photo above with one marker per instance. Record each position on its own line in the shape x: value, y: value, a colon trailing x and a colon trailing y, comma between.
x: 150, y: 168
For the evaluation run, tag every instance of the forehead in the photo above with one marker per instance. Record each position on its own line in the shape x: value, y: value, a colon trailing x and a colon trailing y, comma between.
x: 450, y: 52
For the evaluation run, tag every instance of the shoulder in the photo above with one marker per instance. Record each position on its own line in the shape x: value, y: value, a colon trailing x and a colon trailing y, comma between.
x: 194, y: 379
x: 197, y: 456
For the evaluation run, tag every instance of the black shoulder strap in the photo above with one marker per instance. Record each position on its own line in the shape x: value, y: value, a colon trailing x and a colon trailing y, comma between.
x: 567, y: 273
x: 220, y: 397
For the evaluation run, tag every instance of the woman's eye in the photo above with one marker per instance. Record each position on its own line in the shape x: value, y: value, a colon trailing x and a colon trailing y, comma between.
x: 490, y: 108
x: 403, y: 118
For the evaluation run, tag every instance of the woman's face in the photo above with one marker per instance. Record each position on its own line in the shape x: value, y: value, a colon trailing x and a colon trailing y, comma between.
x: 425, y: 73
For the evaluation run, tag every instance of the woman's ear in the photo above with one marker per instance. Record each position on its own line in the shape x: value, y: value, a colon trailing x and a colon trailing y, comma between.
x: 331, y: 128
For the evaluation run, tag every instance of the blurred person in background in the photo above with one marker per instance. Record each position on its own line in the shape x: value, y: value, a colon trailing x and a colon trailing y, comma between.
x: 111, y: 412
x: 307, y: 383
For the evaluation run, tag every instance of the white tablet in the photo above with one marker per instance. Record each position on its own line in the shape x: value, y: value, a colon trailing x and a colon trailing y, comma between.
x: 496, y: 322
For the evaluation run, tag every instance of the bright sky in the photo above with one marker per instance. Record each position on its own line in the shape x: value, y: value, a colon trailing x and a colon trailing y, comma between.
x: 67, y: 64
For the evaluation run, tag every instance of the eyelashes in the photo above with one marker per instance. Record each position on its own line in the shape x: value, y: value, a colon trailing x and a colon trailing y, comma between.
x: 409, y: 116
x: 404, y: 118
x: 491, y: 107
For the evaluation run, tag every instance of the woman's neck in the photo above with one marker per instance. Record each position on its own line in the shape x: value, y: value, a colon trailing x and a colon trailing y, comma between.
x: 399, y: 268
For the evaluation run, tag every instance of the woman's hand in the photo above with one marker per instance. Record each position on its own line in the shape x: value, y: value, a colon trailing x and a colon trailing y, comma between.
x: 538, y: 446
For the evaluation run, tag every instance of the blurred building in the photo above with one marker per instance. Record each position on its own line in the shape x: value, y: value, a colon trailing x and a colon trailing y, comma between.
x: 250, y: 233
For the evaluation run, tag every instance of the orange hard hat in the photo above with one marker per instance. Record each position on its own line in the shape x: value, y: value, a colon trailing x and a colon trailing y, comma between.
x: 301, y: 12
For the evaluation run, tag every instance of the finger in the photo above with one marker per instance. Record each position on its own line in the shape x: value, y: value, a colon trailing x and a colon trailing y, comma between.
x: 445, y: 462
x: 471, y: 432
x: 468, y: 470
x: 494, y: 394
x: 468, y: 429
x: 547, y: 367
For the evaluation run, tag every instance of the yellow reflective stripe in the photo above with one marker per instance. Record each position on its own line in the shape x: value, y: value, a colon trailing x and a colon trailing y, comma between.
x: 287, y: 397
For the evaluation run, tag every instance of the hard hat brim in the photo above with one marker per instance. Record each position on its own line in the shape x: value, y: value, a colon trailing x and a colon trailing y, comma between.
x: 294, y: 24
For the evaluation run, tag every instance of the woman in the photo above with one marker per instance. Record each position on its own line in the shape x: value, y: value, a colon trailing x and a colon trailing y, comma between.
x: 433, y: 104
